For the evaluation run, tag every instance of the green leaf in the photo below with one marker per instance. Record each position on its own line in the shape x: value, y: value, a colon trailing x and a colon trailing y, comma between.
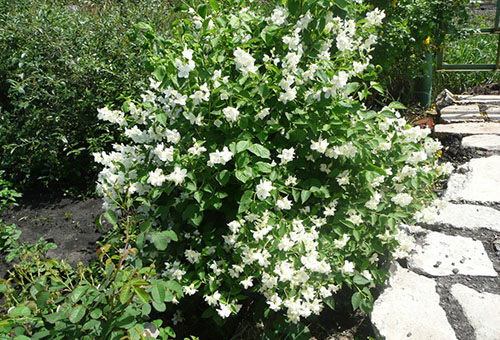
x: 263, y: 167
x: 246, y: 201
x: 22, y: 337
x: 20, y: 311
x: 91, y: 324
x: 158, y: 292
x: 260, y: 151
x: 124, y: 294
x: 41, y: 299
x: 214, y: 5
x: 397, y: 106
x: 142, y: 294
x: 161, y: 118
x: 340, y: 3
x: 160, y: 240
x: 242, y: 145
x: 243, y: 175
x: 77, y: 294
x: 160, y: 73
x: 304, y: 195
x: 159, y: 306
x: 360, y: 280
x: 111, y: 217
x: 76, y: 314
x: 96, y: 313
x: 171, y: 234
x: 40, y: 335
x: 202, y: 10
x: 293, y: 7
x: 223, y: 177
x: 356, y: 300
x: 174, y: 286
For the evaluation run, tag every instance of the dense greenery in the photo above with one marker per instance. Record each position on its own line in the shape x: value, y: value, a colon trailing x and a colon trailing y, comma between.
x: 247, y: 175
x: 59, y: 60
x: 411, y: 29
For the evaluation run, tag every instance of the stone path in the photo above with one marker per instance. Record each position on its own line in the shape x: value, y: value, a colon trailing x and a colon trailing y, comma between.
x: 450, y: 288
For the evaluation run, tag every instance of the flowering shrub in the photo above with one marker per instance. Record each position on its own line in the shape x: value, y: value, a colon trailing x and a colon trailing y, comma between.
x: 252, y: 149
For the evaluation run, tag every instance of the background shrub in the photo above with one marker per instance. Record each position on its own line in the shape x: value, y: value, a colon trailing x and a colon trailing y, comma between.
x: 412, y: 28
x: 58, y: 60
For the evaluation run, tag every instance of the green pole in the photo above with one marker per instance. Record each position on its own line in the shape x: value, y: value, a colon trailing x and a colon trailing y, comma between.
x: 424, y: 90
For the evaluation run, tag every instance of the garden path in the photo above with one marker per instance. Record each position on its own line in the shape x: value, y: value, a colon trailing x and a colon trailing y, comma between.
x: 450, y: 286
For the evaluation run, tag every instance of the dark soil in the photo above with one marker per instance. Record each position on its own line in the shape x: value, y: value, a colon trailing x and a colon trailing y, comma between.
x: 68, y: 223
x: 483, y: 89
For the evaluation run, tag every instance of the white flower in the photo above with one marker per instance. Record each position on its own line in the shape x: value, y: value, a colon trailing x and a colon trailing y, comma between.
x: 274, y: 302
x: 355, y: 219
x: 375, y: 17
x: 187, y: 53
x: 284, y: 204
x: 291, y: 180
x: 189, y: 290
x: 244, y: 62
x: 264, y: 189
x: 220, y: 157
x: 156, y: 178
x: 164, y: 154
x: 224, y: 311
x: 279, y: 16
x: 417, y: 157
x: 289, y: 95
x: 212, y: 299
x: 196, y: 149
x: 263, y: 113
x: 402, y: 199
x: 117, y: 117
x: 287, y: 155
x: 231, y: 114
x: 192, y: 256
x: 177, y: 176
x: 374, y: 201
x: 320, y: 146
x: 343, y: 178
x: 247, y: 283
x: 341, y: 243
x: 348, y: 267
x: 184, y: 69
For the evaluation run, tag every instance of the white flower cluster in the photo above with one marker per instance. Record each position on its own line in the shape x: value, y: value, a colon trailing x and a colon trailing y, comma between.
x: 295, y: 236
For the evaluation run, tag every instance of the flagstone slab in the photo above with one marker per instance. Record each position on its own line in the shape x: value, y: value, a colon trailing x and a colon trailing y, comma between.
x: 486, y: 142
x: 480, y: 99
x: 409, y: 309
x: 476, y: 181
x: 493, y: 113
x: 468, y: 128
x: 482, y: 310
x: 460, y: 113
x: 469, y: 216
x: 443, y: 255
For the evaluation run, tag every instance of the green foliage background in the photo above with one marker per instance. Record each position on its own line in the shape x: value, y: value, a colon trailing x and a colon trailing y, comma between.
x: 59, y: 61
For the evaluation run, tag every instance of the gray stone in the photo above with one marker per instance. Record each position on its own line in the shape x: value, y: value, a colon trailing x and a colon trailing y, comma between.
x: 460, y: 113
x: 476, y: 181
x: 481, y: 309
x: 493, y: 113
x: 477, y: 99
x: 409, y: 309
x: 487, y: 142
x: 468, y: 128
x: 455, y: 253
x: 468, y: 216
